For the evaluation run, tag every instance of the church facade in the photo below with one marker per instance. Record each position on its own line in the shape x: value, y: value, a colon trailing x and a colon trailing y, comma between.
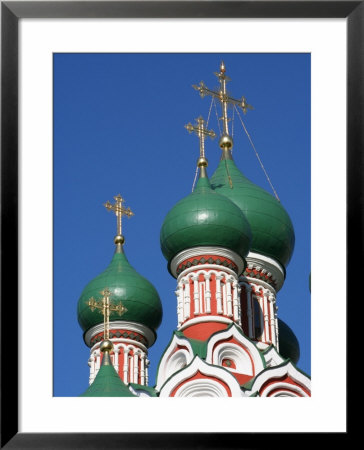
x: 227, y: 244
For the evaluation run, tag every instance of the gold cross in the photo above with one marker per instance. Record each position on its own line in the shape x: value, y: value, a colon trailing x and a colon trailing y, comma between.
x: 104, y: 308
x: 223, y: 96
x: 119, y: 210
x: 201, y: 132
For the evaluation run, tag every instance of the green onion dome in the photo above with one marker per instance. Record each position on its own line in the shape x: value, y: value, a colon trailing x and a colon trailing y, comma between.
x: 288, y: 343
x: 271, y: 227
x: 136, y: 294
x: 204, y: 218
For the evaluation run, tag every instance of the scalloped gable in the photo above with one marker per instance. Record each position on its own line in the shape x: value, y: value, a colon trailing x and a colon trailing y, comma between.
x: 166, y: 368
x: 283, y: 380
x: 200, y: 379
x: 236, y: 337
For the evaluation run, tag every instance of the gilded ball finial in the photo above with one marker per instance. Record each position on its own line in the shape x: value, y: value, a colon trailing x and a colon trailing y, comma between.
x: 226, y: 142
x: 106, y: 346
x: 119, y: 239
x: 202, y: 162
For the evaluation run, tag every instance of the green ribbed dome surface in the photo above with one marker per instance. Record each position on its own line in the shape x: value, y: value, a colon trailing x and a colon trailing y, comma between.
x: 289, y: 346
x: 204, y: 218
x: 271, y: 227
x: 135, y: 292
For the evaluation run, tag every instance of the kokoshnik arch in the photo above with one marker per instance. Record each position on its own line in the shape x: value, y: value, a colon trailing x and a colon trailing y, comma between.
x: 228, y: 244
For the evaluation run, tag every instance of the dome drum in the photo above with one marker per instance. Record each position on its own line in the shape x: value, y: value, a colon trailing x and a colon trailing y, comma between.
x: 196, y: 256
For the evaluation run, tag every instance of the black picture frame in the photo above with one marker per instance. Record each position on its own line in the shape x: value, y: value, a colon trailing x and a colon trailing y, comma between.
x: 11, y: 12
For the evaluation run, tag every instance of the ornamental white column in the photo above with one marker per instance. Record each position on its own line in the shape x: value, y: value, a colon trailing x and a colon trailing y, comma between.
x: 142, y: 370
x: 186, y: 299
x: 272, y: 324
x: 116, y: 359
x: 229, y: 300
x: 207, y: 293
x: 136, y: 368
x: 276, y: 324
x: 218, y: 294
x: 196, y: 296
x: 179, y: 304
x: 126, y: 365
x: 266, y: 316
x: 236, y: 303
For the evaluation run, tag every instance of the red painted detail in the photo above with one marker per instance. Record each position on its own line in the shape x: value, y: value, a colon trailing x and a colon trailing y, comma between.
x: 284, y: 379
x: 202, y: 331
x: 190, y: 262
x: 139, y: 338
x: 201, y: 376
x: 242, y: 377
x: 258, y: 273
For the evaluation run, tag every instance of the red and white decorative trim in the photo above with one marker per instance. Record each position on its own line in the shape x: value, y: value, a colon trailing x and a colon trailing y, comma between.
x: 283, y: 380
x: 115, y: 325
x: 207, y: 291
x: 265, y: 269
x: 197, y: 253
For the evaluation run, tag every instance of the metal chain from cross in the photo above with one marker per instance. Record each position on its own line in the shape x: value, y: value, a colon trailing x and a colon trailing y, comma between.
x: 201, y: 132
x: 104, y: 307
x: 222, y: 95
x: 120, y: 211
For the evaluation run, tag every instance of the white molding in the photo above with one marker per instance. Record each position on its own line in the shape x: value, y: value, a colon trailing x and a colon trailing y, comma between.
x: 202, y: 388
x: 198, y: 365
x: 200, y: 251
x: 278, y: 372
x: 247, y: 345
x: 121, y: 324
x: 285, y: 390
x: 210, y: 267
x: 247, y: 280
x: 269, y: 264
x: 163, y: 369
x: 272, y: 357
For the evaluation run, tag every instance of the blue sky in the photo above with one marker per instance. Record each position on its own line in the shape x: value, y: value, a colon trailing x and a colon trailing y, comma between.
x: 119, y: 128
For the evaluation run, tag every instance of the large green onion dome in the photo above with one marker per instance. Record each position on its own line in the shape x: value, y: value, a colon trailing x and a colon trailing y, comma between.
x: 271, y: 227
x: 204, y: 218
x: 135, y: 293
x: 288, y: 343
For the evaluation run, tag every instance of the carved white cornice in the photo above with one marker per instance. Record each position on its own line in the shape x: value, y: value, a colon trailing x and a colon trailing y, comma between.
x: 200, y: 251
x: 268, y: 266
x: 124, y: 325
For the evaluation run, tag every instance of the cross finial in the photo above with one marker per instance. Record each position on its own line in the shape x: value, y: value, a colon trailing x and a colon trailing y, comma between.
x: 201, y: 132
x: 105, y: 308
x: 119, y: 211
x: 225, y: 99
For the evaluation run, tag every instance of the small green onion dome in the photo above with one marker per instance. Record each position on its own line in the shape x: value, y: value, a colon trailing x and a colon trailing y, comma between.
x: 107, y: 382
x: 271, y: 226
x: 204, y: 218
x: 136, y: 294
x: 288, y: 343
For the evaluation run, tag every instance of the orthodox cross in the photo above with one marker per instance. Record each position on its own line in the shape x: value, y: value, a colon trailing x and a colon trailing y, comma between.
x: 105, y: 308
x: 223, y: 96
x: 119, y: 210
x: 201, y: 132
